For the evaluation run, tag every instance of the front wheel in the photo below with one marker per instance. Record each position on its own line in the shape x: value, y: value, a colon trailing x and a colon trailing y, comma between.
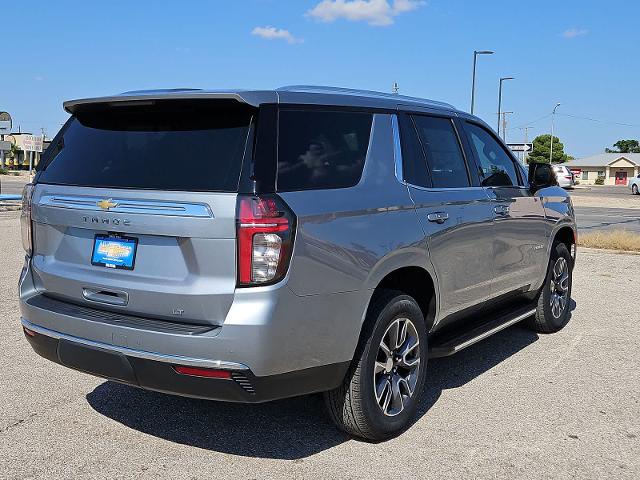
x: 379, y: 396
x: 552, y: 312
x: 634, y: 189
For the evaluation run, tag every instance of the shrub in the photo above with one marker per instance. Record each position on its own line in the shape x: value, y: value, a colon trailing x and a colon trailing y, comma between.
x: 599, y: 181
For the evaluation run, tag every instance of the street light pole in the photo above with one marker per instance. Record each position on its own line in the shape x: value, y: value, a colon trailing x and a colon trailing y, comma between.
x: 553, y: 116
x: 502, y: 79
x: 473, y: 78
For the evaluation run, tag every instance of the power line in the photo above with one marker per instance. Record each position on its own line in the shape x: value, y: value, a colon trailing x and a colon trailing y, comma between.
x: 598, y: 120
x: 580, y: 117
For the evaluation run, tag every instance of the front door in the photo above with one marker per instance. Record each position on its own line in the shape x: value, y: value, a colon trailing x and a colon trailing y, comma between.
x: 621, y: 178
x: 520, y: 234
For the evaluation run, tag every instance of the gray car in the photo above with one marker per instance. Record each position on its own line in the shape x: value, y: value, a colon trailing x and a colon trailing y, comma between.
x: 254, y: 245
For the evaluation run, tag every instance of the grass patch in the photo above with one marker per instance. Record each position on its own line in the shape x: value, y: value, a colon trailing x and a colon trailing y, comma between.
x: 611, y: 240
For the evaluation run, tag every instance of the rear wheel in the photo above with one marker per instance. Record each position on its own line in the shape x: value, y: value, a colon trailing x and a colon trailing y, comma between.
x: 379, y: 396
x: 552, y: 312
x: 634, y: 189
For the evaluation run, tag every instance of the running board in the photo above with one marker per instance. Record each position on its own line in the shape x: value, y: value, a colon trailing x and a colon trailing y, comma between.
x: 453, y: 343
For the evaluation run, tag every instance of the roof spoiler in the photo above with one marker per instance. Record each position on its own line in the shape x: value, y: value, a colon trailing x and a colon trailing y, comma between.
x: 138, y: 98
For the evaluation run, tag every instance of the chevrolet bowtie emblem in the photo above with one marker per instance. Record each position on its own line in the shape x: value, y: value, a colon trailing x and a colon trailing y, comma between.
x: 107, y: 204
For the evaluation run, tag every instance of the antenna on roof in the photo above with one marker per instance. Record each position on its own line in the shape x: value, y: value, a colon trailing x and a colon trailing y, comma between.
x: 396, y: 88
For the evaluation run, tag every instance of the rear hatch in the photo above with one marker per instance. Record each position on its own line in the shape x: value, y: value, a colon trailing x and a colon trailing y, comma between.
x: 134, y: 208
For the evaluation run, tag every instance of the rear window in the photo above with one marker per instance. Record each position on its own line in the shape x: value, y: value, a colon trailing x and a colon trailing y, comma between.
x: 196, y: 147
x: 320, y: 149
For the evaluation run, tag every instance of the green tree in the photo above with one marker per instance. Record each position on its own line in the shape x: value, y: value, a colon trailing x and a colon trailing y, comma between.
x: 542, y: 149
x: 625, y: 146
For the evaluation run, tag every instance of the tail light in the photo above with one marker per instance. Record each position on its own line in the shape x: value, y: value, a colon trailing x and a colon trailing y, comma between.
x: 266, y: 228
x: 25, y: 219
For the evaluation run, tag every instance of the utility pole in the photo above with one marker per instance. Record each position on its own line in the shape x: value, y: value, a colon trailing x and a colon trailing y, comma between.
x: 395, y: 88
x: 504, y: 125
x: 526, y: 140
x: 553, y: 116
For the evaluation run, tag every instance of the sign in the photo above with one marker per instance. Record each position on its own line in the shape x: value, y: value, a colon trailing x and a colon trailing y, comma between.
x: 32, y: 143
x: 5, y: 146
x: 5, y: 123
x: 576, y: 171
x: 520, y: 147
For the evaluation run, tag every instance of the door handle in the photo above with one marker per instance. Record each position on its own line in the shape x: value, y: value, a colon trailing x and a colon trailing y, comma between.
x: 105, y: 296
x: 501, y: 209
x: 438, y: 217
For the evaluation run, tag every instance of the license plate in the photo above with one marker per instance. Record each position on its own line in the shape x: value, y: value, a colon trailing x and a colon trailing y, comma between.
x: 114, y: 251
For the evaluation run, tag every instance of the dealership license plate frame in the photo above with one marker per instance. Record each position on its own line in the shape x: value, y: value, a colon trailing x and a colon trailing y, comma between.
x: 99, y: 261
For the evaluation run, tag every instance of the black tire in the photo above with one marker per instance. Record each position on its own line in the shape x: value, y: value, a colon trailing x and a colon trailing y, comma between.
x: 353, y: 405
x: 634, y: 189
x: 545, y: 319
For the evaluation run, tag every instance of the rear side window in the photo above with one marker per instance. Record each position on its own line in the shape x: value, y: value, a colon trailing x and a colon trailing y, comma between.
x: 414, y: 165
x: 497, y: 168
x: 443, y: 151
x: 193, y: 148
x: 321, y: 149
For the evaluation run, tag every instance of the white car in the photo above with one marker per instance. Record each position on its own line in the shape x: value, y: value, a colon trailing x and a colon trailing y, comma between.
x: 565, y: 176
x: 634, y: 185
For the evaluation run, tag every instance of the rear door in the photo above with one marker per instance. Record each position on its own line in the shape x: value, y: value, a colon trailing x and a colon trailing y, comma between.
x: 454, y: 212
x: 520, y: 233
x: 134, y: 209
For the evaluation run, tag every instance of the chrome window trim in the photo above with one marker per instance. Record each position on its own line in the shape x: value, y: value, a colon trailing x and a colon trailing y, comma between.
x: 146, y: 207
x: 158, y: 357
x: 397, y: 149
x: 397, y: 154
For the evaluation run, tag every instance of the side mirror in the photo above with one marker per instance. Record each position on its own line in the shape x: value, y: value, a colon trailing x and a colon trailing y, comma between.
x: 541, y: 175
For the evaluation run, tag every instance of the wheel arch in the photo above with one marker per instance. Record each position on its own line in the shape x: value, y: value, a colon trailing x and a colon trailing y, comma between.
x: 566, y: 235
x: 413, y: 280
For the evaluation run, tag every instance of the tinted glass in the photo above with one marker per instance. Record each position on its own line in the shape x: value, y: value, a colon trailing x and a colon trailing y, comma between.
x: 444, y: 155
x: 318, y: 150
x: 414, y: 165
x: 496, y: 167
x: 193, y: 149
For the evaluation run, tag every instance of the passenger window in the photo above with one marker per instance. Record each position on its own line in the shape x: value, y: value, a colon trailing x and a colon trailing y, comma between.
x: 414, y: 165
x: 496, y: 166
x: 443, y: 152
x: 318, y: 150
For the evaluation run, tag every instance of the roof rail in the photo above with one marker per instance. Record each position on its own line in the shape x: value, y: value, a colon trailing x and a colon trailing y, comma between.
x: 357, y: 92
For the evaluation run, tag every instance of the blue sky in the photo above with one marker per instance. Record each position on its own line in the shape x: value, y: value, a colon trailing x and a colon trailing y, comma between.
x: 583, y: 54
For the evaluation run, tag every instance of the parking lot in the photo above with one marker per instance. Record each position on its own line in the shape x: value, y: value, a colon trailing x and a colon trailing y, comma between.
x: 518, y: 405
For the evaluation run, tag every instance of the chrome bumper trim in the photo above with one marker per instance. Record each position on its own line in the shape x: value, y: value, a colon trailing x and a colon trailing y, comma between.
x: 158, y: 357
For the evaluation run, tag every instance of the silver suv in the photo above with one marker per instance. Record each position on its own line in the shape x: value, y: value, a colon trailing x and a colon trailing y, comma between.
x: 253, y: 245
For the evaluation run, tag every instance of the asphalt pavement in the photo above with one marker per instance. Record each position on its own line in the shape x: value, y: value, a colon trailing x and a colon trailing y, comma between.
x: 596, y: 218
x: 10, y: 184
x: 517, y: 405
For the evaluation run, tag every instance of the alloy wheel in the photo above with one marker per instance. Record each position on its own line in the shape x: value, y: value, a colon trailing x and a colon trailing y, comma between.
x: 397, y: 366
x: 559, y: 286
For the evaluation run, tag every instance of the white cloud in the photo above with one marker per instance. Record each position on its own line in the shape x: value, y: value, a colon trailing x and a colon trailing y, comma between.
x: 575, y: 32
x: 374, y: 12
x: 273, y: 33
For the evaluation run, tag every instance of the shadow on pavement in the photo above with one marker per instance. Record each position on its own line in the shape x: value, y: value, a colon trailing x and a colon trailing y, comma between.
x: 285, y: 429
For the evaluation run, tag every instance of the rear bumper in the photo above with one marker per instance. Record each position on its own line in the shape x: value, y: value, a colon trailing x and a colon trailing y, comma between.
x: 283, y: 343
x: 154, y: 371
